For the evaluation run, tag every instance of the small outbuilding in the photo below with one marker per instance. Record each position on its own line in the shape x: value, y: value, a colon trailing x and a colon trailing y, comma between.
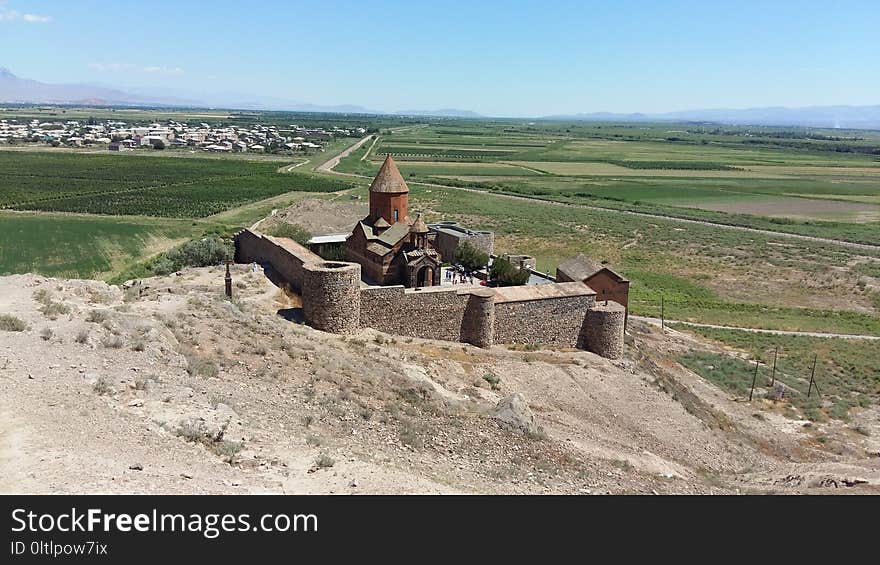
x: 608, y: 284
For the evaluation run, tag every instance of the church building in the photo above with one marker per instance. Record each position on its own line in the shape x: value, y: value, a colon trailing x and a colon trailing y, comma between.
x: 391, y: 247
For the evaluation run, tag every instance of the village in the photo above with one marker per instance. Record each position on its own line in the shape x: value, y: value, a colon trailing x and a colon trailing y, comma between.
x: 118, y: 135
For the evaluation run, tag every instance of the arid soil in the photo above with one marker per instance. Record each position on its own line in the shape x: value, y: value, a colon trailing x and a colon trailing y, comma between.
x: 171, y: 388
x: 320, y: 216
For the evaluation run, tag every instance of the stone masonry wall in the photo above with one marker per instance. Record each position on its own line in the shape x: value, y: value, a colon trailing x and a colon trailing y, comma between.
x: 331, y: 296
x: 285, y: 255
x: 426, y: 313
x: 545, y: 321
x: 604, y: 329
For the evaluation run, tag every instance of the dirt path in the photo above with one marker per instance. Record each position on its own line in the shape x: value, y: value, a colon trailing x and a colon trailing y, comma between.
x: 656, y: 322
x: 327, y: 166
x: 370, y: 150
x: 290, y: 168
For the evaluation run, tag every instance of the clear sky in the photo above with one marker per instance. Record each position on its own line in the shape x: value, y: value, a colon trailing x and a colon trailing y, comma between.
x: 505, y: 58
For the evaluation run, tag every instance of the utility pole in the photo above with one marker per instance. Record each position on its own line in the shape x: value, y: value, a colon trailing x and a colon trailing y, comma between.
x: 813, y: 376
x: 754, y: 379
x: 773, y: 374
x: 228, y: 280
x: 662, y: 315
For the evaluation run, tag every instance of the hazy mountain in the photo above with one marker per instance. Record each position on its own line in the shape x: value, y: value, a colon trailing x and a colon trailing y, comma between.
x: 15, y: 89
x: 441, y: 113
x: 20, y: 90
x: 865, y: 117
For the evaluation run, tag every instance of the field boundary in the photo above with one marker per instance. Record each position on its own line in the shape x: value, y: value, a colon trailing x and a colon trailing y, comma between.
x: 503, y: 194
x: 658, y: 322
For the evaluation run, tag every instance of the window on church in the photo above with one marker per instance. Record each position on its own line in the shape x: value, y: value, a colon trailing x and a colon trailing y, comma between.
x: 396, y: 214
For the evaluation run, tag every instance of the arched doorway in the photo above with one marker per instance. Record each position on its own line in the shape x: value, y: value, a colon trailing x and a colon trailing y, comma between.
x: 425, y: 276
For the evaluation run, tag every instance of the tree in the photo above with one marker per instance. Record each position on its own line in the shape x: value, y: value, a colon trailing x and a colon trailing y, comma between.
x: 506, y: 274
x: 471, y: 258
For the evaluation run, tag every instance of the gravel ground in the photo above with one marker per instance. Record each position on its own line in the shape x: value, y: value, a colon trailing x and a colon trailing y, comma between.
x: 174, y: 389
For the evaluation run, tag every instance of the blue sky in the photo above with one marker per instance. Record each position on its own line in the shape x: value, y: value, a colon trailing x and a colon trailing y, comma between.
x: 498, y: 58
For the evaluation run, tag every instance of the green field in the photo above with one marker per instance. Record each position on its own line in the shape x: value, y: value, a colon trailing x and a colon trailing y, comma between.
x: 83, y: 246
x: 824, y: 183
x: 847, y: 371
x: 135, y: 185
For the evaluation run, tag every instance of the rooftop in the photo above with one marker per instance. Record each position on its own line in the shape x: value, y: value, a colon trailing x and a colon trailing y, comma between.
x: 389, y: 179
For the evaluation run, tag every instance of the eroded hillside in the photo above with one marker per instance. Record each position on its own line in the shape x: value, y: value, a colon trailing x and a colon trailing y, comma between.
x: 169, y: 387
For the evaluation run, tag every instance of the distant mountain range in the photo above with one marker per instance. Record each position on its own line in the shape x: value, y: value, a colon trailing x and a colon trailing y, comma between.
x: 442, y: 113
x: 14, y: 89
x: 852, y: 117
x: 20, y: 90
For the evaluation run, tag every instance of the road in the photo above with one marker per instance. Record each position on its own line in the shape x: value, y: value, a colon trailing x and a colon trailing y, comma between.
x: 656, y: 322
x: 327, y: 166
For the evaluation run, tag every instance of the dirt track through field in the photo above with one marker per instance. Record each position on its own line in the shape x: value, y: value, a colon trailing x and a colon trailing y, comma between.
x: 657, y: 322
x: 329, y: 169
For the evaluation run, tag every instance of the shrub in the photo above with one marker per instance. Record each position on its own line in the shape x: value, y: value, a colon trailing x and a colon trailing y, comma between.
x: 54, y: 309
x: 42, y: 296
x: 47, y: 334
x: 492, y: 380
x: 192, y: 430
x: 506, y: 274
x: 199, y: 366
x: 324, y: 461
x: 471, y: 258
x: 112, y: 342
x: 97, y: 316
x: 11, y: 324
x: 102, y: 386
x: 82, y: 336
x: 227, y: 448
x: 211, y: 250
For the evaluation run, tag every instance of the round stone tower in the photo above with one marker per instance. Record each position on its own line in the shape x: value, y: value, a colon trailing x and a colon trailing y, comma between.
x: 478, y: 325
x: 602, y: 331
x: 331, y: 296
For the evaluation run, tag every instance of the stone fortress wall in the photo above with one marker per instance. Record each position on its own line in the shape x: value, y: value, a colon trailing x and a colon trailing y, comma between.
x: 335, y: 300
x: 285, y: 255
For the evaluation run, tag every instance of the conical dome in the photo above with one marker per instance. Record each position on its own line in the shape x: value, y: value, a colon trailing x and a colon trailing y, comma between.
x: 389, y: 179
x: 419, y: 225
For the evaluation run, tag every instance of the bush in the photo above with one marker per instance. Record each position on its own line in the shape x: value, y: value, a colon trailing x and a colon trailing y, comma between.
x: 506, y: 274
x: 82, y: 336
x: 47, y: 334
x: 324, y: 461
x: 54, y: 309
x: 471, y: 258
x: 112, y: 342
x: 199, y: 366
x: 211, y: 250
x: 492, y: 380
x: 11, y: 324
x: 97, y: 316
x: 102, y: 386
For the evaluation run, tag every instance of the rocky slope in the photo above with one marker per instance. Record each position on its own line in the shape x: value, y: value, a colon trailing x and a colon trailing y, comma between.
x: 169, y: 387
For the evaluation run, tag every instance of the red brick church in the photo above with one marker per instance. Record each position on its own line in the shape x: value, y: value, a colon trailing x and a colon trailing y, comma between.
x: 390, y: 247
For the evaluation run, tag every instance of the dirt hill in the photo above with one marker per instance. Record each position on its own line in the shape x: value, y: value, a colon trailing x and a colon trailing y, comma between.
x: 169, y: 387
